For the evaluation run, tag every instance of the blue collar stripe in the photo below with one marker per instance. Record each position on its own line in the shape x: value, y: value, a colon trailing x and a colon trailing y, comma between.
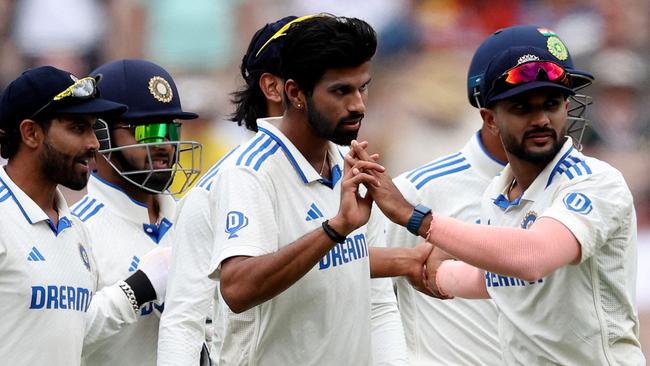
x: 487, y: 153
x: 433, y: 163
x: 215, y: 169
x: 16, y: 200
x: 4, y: 198
x: 80, y: 213
x: 249, y: 148
x: 78, y: 205
x: 286, y: 150
x: 63, y: 224
x: 119, y: 189
x: 441, y: 174
x: 557, y: 166
x: 437, y: 167
x: 265, y: 156
x: 503, y: 202
x: 260, y: 149
x: 92, y: 213
x: 578, y: 163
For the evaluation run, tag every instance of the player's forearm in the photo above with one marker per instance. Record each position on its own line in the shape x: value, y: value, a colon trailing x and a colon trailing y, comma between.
x: 393, y: 262
x: 526, y: 254
x: 250, y: 281
x: 459, y: 279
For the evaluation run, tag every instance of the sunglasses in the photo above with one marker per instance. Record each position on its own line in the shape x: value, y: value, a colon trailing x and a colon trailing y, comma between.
x: 532, y: 71
x: 154, y: 132
x: 283, y: 31
x: 85, y: 88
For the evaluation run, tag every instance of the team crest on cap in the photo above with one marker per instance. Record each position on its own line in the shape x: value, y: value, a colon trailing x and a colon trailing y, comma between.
x: 557, y: 48
x: 528, y: 220
x: 160, y: 89
x: 84, y: 256
x: 527, y: 58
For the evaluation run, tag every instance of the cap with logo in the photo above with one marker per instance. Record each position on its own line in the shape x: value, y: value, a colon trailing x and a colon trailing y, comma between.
x: 515, y: 36
x: 521, y: 69
x: 48, y: 90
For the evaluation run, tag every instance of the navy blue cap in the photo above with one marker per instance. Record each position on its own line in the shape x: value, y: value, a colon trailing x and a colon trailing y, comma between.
x: 269, y: 59
x: 521, y: 35
x: 510, y: 58
x: 148, y: 89
x: 37, y: 87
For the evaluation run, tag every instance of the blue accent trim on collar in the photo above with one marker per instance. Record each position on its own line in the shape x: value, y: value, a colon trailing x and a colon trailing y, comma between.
x: 13, y: 196
x: 503, y: 202
x: 286, y: 150
x: 118, y: 188
x: 557, y: 169
x: 487, y: 153
x: 63, y: 224
x: 215, y: 168
x: 156, y: 232
x: 336, y: 176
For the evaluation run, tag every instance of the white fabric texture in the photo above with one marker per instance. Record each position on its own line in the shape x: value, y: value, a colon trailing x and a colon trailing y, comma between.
x: 458, y: 331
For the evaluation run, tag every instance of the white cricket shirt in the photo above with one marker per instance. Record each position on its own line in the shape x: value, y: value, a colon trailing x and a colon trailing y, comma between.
x: 580, y: 314
x: 122, y: 234
x: 47, y: 281
x: 458, y: 331
x: 268, y: 198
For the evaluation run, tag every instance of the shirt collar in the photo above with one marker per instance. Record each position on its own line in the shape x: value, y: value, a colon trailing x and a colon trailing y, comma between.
x: 303, y: 168
x: 481, y: 159
x: 541, y: 182
x: 32, y: 212
x: 121, y: 204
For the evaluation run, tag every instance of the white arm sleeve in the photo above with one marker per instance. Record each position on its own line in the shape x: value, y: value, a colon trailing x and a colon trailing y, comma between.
x: 387, y: 333
x: 109, y: 311
x: 189, y: 290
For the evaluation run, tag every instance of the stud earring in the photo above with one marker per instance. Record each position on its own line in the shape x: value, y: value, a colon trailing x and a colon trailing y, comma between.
x: 299, y: 105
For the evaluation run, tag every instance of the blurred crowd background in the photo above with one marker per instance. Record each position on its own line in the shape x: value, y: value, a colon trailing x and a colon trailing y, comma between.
x: 418, y: 107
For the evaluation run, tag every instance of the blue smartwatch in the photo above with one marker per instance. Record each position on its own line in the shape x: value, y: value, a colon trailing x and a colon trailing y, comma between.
x: 413, y: 226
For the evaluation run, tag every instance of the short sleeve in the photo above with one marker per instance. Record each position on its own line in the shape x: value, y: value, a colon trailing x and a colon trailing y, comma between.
x: 245, y: 222
x: 594, y: 208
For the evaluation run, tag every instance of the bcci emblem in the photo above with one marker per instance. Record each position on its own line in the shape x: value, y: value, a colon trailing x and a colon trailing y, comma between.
x: 84, y: 256
x: 160, y: 89
x: 235, y: 221
x: 528, y: 220
x: 557, y: 48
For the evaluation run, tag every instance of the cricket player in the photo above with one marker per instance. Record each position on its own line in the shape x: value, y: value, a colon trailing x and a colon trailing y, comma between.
x: 48, y: 273
x: 559, y: 255
x: 191, y: 292
x: 461, y: 331
x: 129, y: 209
x: 190, y: 289
x: 296, y: 285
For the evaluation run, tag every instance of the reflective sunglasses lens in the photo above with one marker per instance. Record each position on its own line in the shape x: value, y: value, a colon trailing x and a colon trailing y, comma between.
x: 529, y: 71
x: 84, y: 88
x: 157, y: 132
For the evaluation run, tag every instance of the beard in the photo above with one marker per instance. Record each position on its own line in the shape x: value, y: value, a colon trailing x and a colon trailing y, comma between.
x: 60, y: 167
x: 154, y: 180
x: 519, y: 150
x: 327, y: 129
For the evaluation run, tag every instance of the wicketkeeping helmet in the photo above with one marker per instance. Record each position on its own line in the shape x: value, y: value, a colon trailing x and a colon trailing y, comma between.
x: 154, y: 113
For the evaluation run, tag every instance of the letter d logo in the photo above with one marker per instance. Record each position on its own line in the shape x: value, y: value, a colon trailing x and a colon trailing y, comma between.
x: 235, y: 221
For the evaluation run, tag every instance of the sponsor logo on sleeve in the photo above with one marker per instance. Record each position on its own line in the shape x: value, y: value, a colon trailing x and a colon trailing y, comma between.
x: 235, y: 221
x: 578, y: 202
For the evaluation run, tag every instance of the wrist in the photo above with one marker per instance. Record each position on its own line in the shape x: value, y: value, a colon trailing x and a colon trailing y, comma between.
x: 335, y: 235
x: 142, y: 288
x: 416, y: 219
x: 340, y: 226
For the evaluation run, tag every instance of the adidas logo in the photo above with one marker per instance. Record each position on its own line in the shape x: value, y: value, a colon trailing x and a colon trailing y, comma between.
x: 313, y: 213
x: 134, y: 264
x: 35, y: 255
